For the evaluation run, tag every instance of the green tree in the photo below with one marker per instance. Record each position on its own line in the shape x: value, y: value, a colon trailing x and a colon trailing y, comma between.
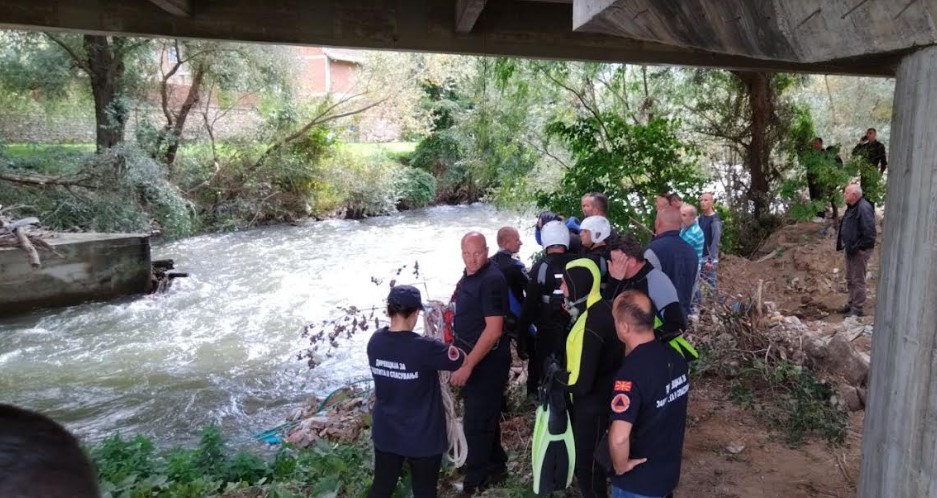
x: 630, y: 163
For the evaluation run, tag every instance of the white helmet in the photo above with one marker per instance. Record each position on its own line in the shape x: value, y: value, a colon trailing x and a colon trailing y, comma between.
x: 598, y: 227
x: 554, y: 233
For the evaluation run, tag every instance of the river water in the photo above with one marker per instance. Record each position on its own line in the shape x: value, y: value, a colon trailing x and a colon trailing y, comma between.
x: 221, y: 346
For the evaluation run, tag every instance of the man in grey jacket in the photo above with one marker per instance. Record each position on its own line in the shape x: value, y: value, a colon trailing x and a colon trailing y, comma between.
x: 857, y: 237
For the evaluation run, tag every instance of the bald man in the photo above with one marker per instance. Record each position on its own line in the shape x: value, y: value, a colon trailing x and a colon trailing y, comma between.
x: 672, y: 255
x: 481, y: 301
x: 515, y: 274
x: 857, y: 237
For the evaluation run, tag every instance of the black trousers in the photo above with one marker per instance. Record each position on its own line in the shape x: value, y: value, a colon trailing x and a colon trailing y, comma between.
x: 424, y: 475
x: 483, y: 395
x: 589, y: 425
x: 546, y: 343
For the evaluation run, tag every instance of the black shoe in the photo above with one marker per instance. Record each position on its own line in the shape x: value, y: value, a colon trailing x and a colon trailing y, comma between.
x: 469, y: 491
x: 847, y: 309
x: 495, y: 478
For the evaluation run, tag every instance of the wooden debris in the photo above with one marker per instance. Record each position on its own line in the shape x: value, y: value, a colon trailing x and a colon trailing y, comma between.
x: 16, y: 234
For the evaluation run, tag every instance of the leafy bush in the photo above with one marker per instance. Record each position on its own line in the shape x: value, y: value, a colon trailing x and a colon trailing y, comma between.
x: 133, y: 468
x: 416, y: 188
x: 234, y: 185
x: 441, y: 155
x: 631, y: 164
x: 121, y: 190
x: 363, y: 186
x: 792, y: 399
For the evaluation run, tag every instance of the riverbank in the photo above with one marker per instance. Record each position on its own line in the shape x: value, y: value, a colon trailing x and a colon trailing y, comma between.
x: 217, y: 188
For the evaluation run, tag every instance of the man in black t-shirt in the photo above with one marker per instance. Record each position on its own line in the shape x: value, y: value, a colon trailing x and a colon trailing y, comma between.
x: 515, y: 275
x: 481, y: 301
x: 649, y: 405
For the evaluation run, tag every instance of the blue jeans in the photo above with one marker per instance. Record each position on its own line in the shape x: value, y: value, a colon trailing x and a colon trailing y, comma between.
x: 706, y: 283
x: 620, y: 493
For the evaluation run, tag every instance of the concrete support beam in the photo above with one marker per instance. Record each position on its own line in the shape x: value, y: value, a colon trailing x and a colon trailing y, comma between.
x: 790, y: 30
x: 466, y: 13
x: 507, y: 28
x: 899, y: 444
x: 181, y: 8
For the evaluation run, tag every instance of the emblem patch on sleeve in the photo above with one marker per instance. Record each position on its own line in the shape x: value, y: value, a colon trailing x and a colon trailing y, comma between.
x: 623, y: 386
x: 620, y: 403
x: 454, y: 353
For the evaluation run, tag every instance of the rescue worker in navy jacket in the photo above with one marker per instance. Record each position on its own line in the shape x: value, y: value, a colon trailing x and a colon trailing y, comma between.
x: 593, y: 354
x: 409, y: 422
x: 481, y: 301
x: 515, y: 274
x: 648, y: 406
x: 544, y: 304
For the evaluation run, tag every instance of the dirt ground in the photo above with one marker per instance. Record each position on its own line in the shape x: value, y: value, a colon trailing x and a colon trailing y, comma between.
x: 765, y: 467
x: 801, y: 271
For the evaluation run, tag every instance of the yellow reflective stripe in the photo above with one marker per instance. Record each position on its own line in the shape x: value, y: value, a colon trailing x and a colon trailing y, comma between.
x: 681, y: 345
x: 595, y: 293
x: 657, y: 322
x: 574, y: 347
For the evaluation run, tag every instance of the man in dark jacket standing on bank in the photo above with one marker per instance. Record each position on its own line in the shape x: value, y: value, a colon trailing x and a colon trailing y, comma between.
x: 857, y: 237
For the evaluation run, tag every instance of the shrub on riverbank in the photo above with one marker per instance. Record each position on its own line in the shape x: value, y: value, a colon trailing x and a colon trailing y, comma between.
x: 226, y: 187
x: 131, y: 468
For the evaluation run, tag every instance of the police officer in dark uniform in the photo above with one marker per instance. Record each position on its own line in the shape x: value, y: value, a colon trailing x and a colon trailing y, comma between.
x: 409, y: 422
x: 480, y: 305
x: 544, y: 304
x: 648, y: 405
x: 515, y: 274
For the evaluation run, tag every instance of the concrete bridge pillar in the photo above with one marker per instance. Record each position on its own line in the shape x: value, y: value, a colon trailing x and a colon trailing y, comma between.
x: 899, y: 446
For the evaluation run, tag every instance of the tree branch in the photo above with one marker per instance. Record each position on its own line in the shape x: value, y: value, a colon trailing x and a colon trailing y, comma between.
x: 82, y: 62
x: 42, y: 180
x: 319, y: 119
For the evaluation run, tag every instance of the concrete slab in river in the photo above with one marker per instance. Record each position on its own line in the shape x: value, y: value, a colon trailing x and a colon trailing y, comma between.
x: 89, y: 266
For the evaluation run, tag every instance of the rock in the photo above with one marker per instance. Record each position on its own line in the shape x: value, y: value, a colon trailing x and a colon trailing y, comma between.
x: 849, y: 396
x: 842, y: 358
x: 862, y: 395
x: 735, y: 447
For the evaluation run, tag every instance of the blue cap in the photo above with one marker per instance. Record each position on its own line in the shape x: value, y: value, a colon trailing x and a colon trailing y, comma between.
x: 406, y: 296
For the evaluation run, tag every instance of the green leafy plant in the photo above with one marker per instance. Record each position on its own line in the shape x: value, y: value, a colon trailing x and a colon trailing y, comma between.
x: 631, y: 164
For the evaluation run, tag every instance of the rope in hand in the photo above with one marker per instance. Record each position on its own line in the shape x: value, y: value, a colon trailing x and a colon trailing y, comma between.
x: 433, y: 326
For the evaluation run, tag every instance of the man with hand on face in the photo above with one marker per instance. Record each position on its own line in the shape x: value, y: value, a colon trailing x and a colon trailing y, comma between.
x: 648, y: 405
x: 481, y: 301
x: 628, y: 270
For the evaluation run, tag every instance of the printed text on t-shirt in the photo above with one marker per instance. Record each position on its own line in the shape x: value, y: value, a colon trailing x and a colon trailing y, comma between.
x: 676, y: 388
x: 391, y: 370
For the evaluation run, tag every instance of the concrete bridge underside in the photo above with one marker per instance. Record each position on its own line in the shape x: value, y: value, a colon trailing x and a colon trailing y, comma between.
x: 860, y: 37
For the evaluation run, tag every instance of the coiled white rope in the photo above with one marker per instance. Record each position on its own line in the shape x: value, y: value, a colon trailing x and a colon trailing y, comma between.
x: 434, y: 326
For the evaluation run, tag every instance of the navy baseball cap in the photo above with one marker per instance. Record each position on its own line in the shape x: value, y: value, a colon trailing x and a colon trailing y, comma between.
x: 406, y: 296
